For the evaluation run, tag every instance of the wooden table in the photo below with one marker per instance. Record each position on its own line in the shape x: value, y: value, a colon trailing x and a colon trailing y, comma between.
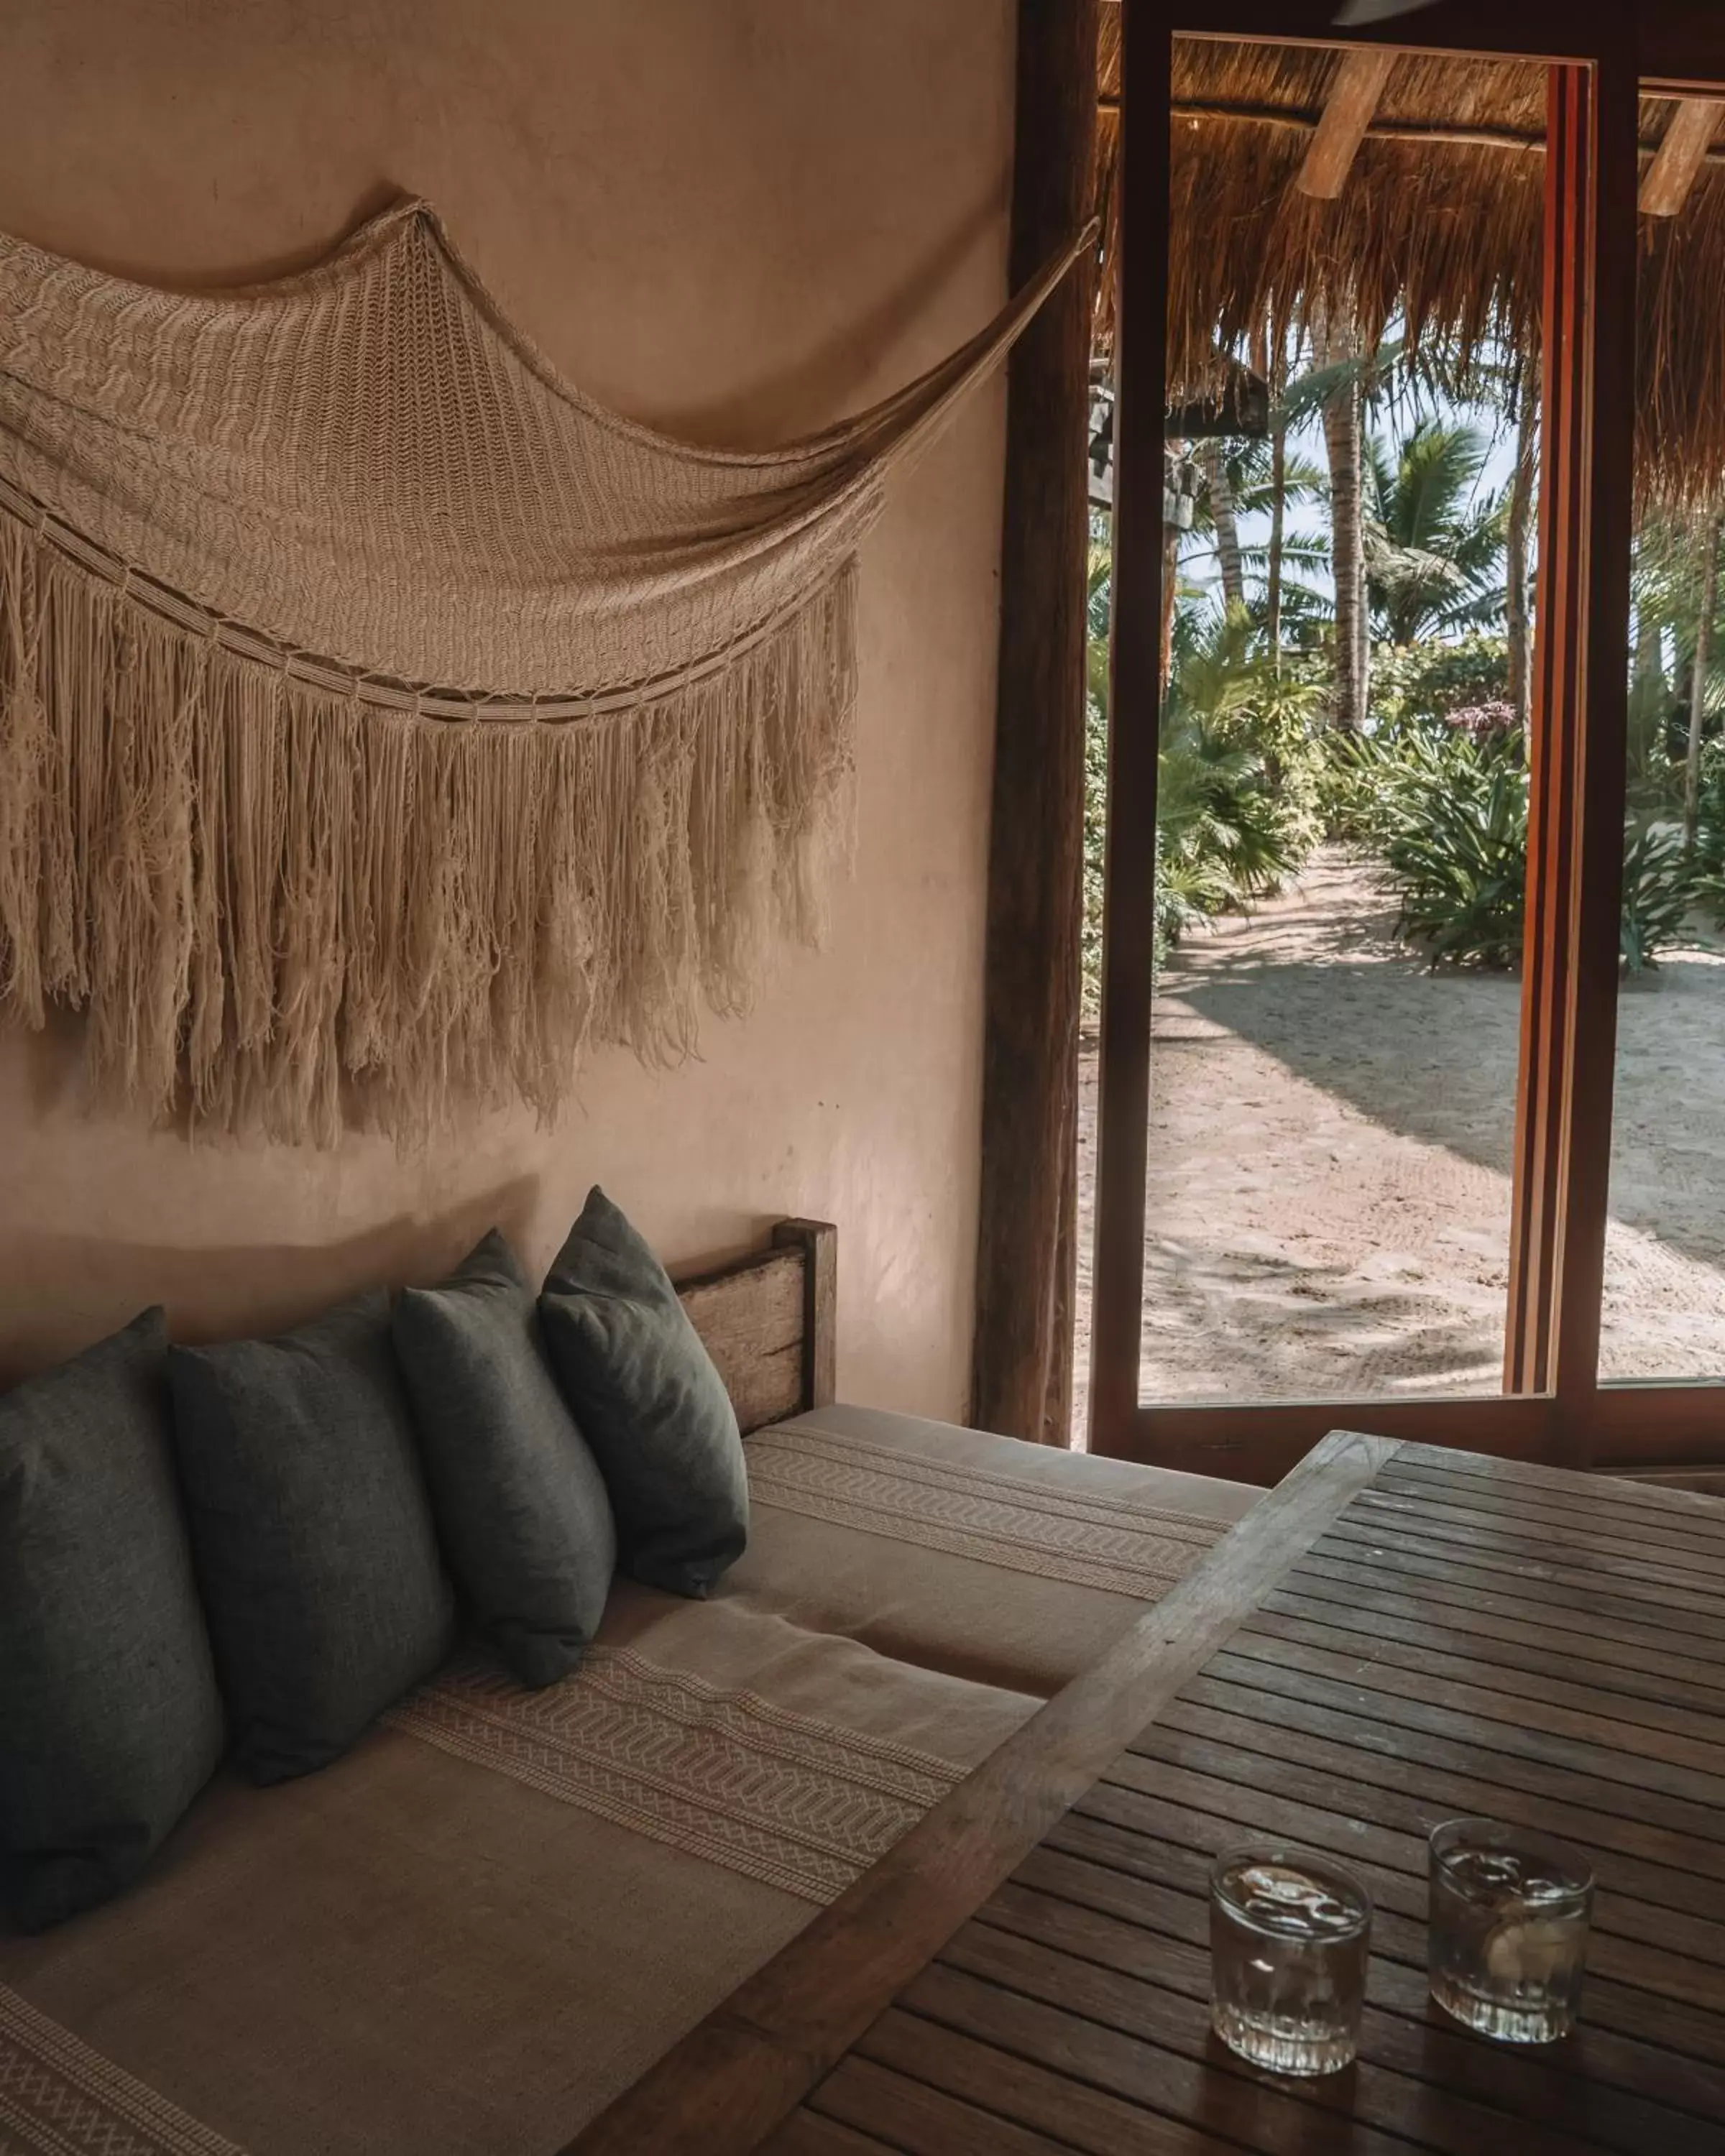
x: 1396, y: 1635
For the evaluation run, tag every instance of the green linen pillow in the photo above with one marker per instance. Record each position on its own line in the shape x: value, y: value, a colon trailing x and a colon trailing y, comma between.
x: 520, y: 1504
x: 110, y: 1721
x: 312, y: 1533
x: 650, y: 1403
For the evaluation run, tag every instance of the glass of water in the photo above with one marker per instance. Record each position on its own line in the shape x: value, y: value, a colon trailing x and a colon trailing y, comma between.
x: 1290, y: 1934
x: 1507, y: 1940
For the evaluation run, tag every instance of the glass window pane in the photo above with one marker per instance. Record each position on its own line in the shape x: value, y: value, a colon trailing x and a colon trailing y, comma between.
x: 1351, y: 462
x: 1664, y: 1313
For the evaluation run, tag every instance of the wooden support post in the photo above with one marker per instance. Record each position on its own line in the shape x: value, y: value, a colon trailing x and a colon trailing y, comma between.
x: 1680, y: 156
x: 1026, y: 1242
x: 1351, y: 106
x: 1142, y: 578
x: 1562, y: 1149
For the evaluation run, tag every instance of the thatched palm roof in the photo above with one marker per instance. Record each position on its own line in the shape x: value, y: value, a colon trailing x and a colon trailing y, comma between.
x: 1440, y: 223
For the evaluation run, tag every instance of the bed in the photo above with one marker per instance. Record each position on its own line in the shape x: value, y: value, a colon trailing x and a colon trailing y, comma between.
x: 477, y: 1928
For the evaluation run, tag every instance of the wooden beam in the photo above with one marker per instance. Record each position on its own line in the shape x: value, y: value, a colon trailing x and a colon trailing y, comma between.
x: 739, y: 2073
x: 1352, y: 105
x: 1687, y: 140
x: 1026, y: 1240
x: 1464, y: 135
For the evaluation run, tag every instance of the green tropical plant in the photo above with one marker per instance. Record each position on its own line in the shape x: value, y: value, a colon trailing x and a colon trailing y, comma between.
x: 1236, y: 804
x: 1448, y: 814
x: 1435, y: 548
x: 1669, y: 588
x: 1455, y: 819
x: 1658, y: 890
x: 1432, y: 678
x: 1708, y: 862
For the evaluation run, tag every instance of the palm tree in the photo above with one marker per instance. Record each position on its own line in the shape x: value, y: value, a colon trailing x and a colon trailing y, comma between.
x: 1698, y: 694
x: 1338, y: 355
x: 1434, y: 549
x: 1247, y: 478
x: 1676, y: 601
x: 1518, y: 536
x: 1213, y: 463
x: 1337, y: 389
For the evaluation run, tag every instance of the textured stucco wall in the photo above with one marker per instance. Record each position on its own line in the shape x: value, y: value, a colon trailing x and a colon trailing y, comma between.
x: 737, y: 218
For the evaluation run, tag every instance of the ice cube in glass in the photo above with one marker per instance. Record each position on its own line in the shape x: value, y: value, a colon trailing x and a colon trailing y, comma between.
x: 1290, y: 1934
x: 1508, y: 1938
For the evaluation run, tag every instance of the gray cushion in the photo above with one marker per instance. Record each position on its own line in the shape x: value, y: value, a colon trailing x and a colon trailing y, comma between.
x: 649, y: 1402
x: 520, y: 1505
x: 312, y: 1532
x: 110, y: 1718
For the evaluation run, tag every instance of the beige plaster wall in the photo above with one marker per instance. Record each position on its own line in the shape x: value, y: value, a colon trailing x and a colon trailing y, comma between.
x: 735, y: 218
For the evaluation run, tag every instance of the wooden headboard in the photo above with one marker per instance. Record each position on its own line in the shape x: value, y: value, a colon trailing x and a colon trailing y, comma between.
x: 768, y: 1321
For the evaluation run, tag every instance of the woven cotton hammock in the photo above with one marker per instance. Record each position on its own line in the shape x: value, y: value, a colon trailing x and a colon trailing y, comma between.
x: 381, y: 720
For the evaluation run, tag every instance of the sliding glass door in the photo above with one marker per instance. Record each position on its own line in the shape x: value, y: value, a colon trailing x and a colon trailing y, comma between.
x: 1413, y: 969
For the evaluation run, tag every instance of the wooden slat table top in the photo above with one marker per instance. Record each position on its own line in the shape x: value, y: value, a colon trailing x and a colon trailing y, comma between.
x: 1409, y: 1634
x: 1351, y: 1714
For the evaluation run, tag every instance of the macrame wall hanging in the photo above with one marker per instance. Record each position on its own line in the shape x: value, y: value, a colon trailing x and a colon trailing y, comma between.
x: 382, y: 721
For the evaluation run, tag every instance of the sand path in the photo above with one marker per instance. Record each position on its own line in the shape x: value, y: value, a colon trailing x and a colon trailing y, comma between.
x: 1330, y: 1139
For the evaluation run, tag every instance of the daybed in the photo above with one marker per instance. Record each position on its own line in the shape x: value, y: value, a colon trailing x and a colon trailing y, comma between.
x: 495, y: 1911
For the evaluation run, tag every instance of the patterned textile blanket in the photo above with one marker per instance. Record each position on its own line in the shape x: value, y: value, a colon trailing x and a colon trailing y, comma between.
x: 1013, y: 1564
x: 503, y: 1906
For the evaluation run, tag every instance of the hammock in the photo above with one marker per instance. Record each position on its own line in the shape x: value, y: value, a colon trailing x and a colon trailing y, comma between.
x: 381, y: 720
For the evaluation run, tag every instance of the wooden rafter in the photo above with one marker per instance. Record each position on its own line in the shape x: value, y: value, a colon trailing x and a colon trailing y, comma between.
x: 1349, y: 111
x: 1687, y: 143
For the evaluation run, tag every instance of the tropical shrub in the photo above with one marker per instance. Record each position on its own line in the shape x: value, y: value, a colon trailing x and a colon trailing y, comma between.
x: 1449, y: 817
x: 1237, y: 809
x: 1456, y: 820
x: 1658, y: 890
x: 1707, y: 863
x: 1430, y: 680
x: 1490, y: 725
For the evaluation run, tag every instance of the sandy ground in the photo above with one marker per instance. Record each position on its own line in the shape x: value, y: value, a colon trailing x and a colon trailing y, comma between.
x: 1330, y: 1137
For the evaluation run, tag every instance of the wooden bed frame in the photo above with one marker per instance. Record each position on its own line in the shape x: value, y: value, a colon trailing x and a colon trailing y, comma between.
x: 769, y: 1322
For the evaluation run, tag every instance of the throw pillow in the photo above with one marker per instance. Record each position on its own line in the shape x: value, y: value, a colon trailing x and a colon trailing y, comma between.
x: 110, y: 1721
x: 312, y: 1533
x: 520, y: 1505
x: 650, y: 1403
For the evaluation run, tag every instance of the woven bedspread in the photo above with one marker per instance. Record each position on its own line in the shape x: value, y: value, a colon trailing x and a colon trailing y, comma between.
x: 1015, y: 1565
x: 471, y: 1933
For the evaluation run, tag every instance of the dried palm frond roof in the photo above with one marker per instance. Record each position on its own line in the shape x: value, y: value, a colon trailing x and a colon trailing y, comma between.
x: 1439, y: 226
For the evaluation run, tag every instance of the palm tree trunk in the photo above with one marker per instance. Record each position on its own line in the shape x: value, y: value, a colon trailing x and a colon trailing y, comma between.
x: 1348, y: 553
x: 1278, y: 527
x: 1647, y: 693
x: 1214, y: 461
x: 1698, y: 691
x: 1519, y: 597
x: 1170, y: 595
x: 1278, y: 502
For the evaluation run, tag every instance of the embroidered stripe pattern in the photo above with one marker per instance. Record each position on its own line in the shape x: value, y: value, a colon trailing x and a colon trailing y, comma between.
x: 796, y: 1803
x: 1118, y: 1543
x: 58, y: 2097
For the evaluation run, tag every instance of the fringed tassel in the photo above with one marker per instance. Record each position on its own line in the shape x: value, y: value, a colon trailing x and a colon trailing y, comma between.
x: 284, y: 909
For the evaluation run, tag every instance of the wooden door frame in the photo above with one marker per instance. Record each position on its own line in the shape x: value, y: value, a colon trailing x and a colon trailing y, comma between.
x: 1600, y: 54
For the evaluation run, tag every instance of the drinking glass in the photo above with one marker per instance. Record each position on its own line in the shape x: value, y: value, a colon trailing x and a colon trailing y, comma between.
x: 1289, y: 1938
x: 1508, y: 1941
